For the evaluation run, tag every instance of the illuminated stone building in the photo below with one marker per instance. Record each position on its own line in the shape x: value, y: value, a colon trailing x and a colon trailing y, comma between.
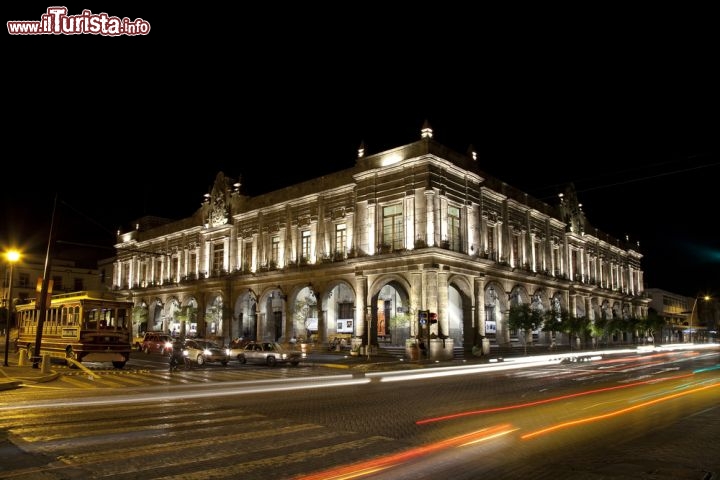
x: 413, y: 242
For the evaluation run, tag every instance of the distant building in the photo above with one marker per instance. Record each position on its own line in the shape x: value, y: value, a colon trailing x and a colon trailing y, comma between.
x: 368, y: 251
x: 686, y: 318
x: 67, y: 276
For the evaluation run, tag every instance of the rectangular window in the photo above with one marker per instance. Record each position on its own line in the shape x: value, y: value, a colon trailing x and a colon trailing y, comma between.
x: 247, y: 256
x: 491, y: 241
x: 305, y: 245
x: 340, y: 239
x: 345, y: 310
x: 454, y: 240
x: 57, y: 283
x: 275, y: 250
x: 392, y: 234
x: 218, y: 258
x: 79, y: 285
x: 24, y: 280
x: 192, y: 267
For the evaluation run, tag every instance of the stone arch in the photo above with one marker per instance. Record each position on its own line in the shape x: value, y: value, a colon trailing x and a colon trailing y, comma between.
x: 519, y: 295
x: 272, y: 313
x: 540, y: 301
x: 594, y: 312
x: 388, y: 293
x: 155, y: 319
x: 496, y: 306
x: 140, y: 317
x: 244, y: 316
x: 605, y: 310
x: 304, y: 310
x: 460, y: 312
x: 214, y: 316
x: 189, y: 317
x: 337, y: 304
x: 580, y: 311
x: 170, y: 312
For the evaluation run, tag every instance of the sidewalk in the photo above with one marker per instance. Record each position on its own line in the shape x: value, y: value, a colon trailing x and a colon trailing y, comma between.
x: 16, y: 376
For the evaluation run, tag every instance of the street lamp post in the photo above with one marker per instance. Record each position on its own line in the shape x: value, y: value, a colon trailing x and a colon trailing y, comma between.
x: 690, y: 334
x: 12, y: 257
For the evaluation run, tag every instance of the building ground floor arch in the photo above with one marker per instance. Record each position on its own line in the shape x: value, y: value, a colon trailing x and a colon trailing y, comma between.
x: 370, y: 303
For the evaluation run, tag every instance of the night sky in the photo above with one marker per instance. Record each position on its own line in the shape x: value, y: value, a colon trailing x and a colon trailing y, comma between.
x: 118, y: 128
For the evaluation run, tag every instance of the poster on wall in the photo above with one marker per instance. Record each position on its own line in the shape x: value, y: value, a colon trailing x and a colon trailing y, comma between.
x: 490, y: 327
x: 344, y: 326
x: 311, y: 324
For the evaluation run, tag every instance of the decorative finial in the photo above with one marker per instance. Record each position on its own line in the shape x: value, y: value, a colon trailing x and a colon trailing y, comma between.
x: 426, y: 131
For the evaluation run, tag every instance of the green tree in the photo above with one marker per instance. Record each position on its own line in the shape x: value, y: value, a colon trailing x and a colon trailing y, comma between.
x: 574, y: 327
x: 654, y: 325
x: 599, y: 329
x: 526, y: 319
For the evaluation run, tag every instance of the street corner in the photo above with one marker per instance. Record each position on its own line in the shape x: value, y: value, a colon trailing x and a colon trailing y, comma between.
x: 9, y: 384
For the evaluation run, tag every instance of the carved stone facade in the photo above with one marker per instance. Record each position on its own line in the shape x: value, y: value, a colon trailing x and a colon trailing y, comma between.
x: 416, y: 228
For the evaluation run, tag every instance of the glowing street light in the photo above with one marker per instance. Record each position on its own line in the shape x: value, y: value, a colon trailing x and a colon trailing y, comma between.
x: 706, y: 298
x: 12, y: 256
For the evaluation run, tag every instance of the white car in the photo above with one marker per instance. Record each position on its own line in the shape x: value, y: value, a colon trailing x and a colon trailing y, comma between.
x: 269, y: 353
x: 203, y: 351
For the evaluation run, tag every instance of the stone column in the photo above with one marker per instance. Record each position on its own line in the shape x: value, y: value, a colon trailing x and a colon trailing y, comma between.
x: 361, y: 288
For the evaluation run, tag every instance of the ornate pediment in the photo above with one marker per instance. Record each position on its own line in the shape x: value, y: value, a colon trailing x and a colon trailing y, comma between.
x: 218, y: 202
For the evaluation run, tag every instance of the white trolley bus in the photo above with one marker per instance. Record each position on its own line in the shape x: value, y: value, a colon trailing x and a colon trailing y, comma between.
x: 82, y: 326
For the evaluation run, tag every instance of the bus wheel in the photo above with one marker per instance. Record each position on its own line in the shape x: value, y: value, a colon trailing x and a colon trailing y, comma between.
x: 118, y: 364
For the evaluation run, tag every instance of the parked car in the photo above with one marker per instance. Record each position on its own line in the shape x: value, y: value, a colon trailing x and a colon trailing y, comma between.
x: 202, y: 351
x: 268, y: 353
x: 154, y: 342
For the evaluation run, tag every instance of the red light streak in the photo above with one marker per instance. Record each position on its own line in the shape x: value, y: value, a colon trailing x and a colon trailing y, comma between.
x: 547, y: 400
x: 372, y: 466
x: 616, y: 412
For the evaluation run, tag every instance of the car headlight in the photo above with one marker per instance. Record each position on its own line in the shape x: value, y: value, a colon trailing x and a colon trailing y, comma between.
x: 207, y: 352
x: 185, y: 353
x: 168, y: 345
x: 227, y: 351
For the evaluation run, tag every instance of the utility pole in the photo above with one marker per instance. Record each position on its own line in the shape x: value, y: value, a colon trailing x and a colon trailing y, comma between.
x: 42, y: 304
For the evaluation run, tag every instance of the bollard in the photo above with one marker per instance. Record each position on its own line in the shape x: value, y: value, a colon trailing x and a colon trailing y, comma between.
x: 46, y: 364
x: 21, y: 358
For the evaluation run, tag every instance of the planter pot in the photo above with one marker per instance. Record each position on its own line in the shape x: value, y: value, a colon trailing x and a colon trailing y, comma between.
x: 441, y: 349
